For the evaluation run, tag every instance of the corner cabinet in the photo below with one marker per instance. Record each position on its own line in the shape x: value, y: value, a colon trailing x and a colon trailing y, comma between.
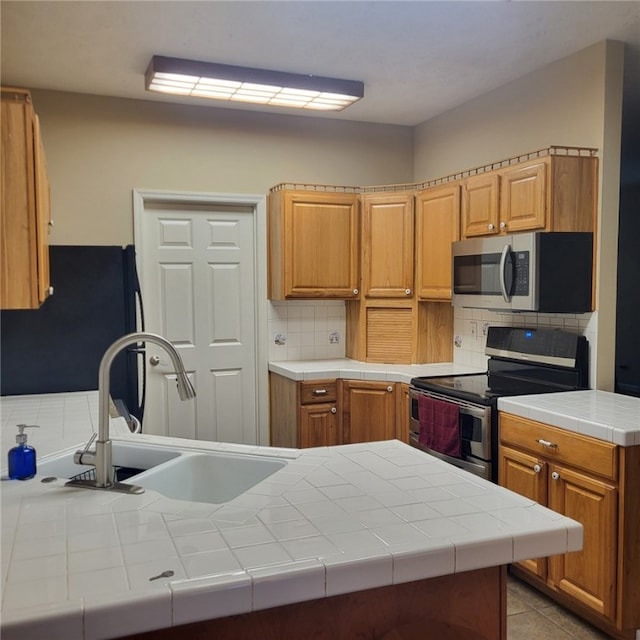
x: 322, y: 413
x: 595, y: 483
x: 314, y: 247
x: 553, y: 192
x: 25, y: 205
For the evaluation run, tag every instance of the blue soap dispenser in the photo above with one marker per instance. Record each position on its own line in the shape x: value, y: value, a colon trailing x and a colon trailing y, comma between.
x: 22, y: 458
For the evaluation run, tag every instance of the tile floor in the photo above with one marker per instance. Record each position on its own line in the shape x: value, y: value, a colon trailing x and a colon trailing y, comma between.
x: 533, y: 616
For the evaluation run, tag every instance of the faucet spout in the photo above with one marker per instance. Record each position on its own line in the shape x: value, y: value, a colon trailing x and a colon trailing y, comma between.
x: 102, y: 458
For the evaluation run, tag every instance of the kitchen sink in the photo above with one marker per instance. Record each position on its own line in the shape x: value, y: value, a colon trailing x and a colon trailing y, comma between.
x: 209, y: 477
x: 198, y: 476
x: 128, y: 459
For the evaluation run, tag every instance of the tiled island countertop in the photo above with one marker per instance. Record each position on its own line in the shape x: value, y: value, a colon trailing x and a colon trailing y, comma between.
x: 77, y: 564
x: 612, y: 417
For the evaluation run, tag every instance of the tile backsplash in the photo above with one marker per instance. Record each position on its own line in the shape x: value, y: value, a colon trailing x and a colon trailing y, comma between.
x: 315, y: 330
x: 306, y: 330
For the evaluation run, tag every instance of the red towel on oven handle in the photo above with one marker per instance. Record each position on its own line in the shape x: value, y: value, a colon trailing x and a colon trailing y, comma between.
x: 439, y: 426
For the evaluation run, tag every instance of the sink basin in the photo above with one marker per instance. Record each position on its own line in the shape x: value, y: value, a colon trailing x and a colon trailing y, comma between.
x: 212, y: 477
x: 208, y: 477
x: 129, y: 459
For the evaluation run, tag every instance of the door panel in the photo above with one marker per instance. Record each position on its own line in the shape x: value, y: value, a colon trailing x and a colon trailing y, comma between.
x: 198, y: 288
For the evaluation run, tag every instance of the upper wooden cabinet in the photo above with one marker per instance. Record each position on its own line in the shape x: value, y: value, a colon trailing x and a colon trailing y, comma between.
x: 551, y: 193
x: 25, y: 208
x: 480, y: 199
x: 387, y: 245
x: 314, y: 248
x: 437, y: 226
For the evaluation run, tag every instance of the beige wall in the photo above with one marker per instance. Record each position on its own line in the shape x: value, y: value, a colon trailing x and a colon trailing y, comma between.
x: 99, y: 149
x: 574, y: 101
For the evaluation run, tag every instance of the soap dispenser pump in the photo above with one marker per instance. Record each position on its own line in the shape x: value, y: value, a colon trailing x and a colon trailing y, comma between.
x: 22, y: 458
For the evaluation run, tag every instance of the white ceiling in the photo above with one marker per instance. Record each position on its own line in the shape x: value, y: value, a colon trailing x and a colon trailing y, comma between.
x: 416, y: 58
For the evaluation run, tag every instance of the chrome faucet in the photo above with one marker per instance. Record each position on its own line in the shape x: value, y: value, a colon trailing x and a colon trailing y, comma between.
x: 101, y: 457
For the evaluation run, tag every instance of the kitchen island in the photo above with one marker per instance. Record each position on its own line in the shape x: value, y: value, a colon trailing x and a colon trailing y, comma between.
x: 361, y: 538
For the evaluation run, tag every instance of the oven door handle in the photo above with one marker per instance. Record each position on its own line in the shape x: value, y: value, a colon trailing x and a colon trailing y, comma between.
x: 506, y: 252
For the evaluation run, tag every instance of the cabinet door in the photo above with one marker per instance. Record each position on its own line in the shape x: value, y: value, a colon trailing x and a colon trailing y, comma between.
x: 480, y: 198
x: 368, y: 411
x: 387, y: 246
x: 318, y: 425
x: 588, y: 575
x: 437, y: 226
x: 526, y: 475
x: 523, y: 197
x: 314, y: 248
x: 24, y: 209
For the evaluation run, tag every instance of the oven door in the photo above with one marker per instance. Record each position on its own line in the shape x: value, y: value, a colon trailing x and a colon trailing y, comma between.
x: 476, y: 433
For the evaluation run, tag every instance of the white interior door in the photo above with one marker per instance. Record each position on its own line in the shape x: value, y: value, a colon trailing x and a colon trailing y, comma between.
x: 197, y: 264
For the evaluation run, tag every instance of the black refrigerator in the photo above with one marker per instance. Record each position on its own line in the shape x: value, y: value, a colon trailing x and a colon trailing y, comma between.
x: 58, y: 347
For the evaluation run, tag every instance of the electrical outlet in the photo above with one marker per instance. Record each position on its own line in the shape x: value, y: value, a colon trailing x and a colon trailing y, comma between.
x: 485, y: 328
x: 334, y: 337
x: 280, y: 339
x: 474, y: 329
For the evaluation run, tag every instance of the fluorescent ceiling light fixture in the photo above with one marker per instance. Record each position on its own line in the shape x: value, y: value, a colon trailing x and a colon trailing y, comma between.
x: 244, y: 84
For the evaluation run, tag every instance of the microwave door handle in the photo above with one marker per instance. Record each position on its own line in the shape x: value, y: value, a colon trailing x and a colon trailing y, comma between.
x: 506, y: 250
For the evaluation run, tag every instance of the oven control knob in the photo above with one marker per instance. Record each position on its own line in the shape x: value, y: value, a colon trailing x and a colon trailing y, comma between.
x: 537, y: 468
x: 555, y: 475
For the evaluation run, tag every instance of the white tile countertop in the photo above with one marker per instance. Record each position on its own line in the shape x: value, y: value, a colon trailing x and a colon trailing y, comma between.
x: 357, y: 370
x: 600, y: 414
x: 76, y: 564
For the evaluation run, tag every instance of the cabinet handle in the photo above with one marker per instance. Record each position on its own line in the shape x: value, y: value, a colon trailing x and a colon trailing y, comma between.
x: 355, y: 292
x: 389, y: 388
x: 547, y: 443
x: 537, y: 468
x: 503, y: 225
x: 490, y: 227
x: 319, y: 392
x: 555, y: 475
x: 333, y: 410
x: 408, y: 291
x: 50, y: 291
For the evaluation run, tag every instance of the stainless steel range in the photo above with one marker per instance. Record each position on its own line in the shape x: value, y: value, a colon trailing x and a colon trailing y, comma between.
x: 456, y: 418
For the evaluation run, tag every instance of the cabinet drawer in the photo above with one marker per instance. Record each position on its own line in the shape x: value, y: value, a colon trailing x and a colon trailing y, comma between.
x: 558, y: 445
x: 318, y: 391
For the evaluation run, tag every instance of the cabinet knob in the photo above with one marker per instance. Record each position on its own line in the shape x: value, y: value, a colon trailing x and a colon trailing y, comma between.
x: 333, y: 410
x: 537, y: 468
x: 154, y: 361
x: 355, y: 292
x: 50, y: 223
x: 503, y: 225
x: 547, y: 443
x: 491, y: 227
x: 408, y: 291
x: 555, y: 475
x: 389, y: 388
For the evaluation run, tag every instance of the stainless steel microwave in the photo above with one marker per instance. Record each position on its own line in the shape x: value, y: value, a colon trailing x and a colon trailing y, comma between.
x: 540, y: 271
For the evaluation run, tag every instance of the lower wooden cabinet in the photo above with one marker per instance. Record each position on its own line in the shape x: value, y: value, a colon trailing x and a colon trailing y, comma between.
x: 322, y: 413
x: 368, y: 411
x: 595, y: 483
